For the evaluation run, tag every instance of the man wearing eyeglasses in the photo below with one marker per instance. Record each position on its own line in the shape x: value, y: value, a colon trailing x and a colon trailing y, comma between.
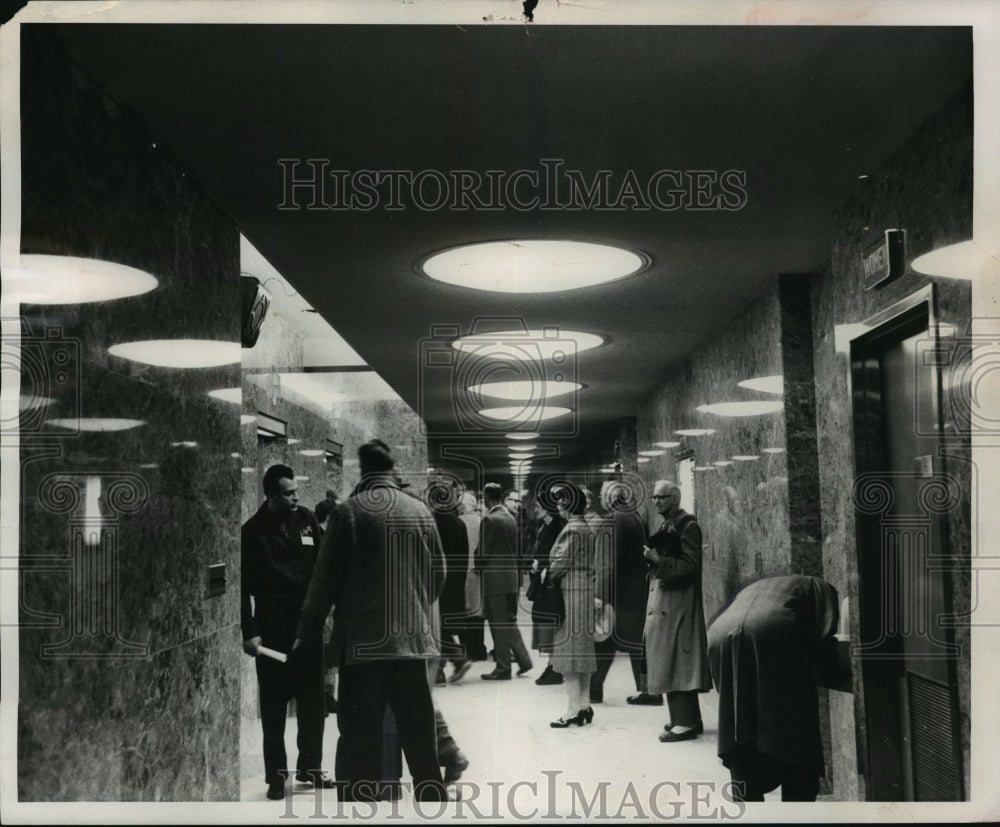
x: 675, y: 638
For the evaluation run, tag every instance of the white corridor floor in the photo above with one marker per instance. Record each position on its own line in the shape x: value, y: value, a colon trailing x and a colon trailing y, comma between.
x: 523, y: 770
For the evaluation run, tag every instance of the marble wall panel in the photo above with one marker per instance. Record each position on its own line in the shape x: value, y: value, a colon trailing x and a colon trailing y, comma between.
x: 127, y: 664
x: 742, y: 507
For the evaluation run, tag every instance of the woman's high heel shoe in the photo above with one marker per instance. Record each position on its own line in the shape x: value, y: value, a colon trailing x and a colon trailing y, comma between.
x: 562, y: 723
x: 588, y: 714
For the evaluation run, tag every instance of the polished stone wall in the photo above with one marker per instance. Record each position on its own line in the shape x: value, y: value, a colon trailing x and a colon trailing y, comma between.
x: 741, y: 507
x: 128, y: 668
x: 925, y: 187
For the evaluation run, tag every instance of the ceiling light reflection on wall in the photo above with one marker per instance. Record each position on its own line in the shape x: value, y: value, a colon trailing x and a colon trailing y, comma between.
x: 668, y: 444
x: 551, y: 345
x: 179, y: 353
x: 652, y: 453
x: 745, y: 457
x: 695, y: 431
x: 765, y: 384
x: 48, y: 279
x: 525, y: 414
x: 742, y: 408
x: 774, y: 450
x: 525, y: 390
x: 965, y: 260
x: 312, y: 452
x: 532, y: 265
x: 643, y: 460
x: 233, y: 395
x: 722, y: 463
x: 247, y: 419
x: 96, y: 424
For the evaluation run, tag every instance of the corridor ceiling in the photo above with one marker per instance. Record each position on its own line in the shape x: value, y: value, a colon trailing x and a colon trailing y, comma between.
x: 801, y: 112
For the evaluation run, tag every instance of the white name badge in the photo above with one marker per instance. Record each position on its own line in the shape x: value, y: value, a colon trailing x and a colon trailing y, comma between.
x: 306, y: 540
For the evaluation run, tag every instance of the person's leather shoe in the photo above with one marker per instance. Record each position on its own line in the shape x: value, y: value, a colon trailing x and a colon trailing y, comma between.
x: 496, y: 676
x: 644, y: 699
x: 698, y: 727
x: 457, y: 764
x: 549, y: 677
x: 460, y: 670
x: 670, y: 736
x: 317, y: 778
x: 521, y: 670
x: 276, y: 790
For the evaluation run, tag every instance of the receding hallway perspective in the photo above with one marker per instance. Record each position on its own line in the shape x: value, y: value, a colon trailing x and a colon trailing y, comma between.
x: 325, y: 320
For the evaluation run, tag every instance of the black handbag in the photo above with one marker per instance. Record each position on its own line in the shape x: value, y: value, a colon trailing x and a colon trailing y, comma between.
x: 549, y: 608
x: 534, y: 586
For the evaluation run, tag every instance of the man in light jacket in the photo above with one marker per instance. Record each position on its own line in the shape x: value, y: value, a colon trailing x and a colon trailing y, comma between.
x: 381, y: 566
x: 675, y: 637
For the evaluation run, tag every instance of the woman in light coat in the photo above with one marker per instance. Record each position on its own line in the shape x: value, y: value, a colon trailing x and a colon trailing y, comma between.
x: 571, y: 563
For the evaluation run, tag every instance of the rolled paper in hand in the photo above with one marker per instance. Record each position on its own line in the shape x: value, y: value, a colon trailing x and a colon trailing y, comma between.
x: 272, y: 653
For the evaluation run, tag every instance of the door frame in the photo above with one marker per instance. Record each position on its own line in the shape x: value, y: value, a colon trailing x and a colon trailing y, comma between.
x: 882, y: 762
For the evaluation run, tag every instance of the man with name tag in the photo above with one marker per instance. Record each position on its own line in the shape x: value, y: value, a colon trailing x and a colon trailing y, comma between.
x: 279, y: 545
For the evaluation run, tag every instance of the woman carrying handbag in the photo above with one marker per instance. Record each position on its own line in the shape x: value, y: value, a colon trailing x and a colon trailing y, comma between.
x: 571, y: 567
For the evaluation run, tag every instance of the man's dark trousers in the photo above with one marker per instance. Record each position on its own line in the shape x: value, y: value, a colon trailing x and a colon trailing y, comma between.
x: 365, y: 690
x: 301, y: 678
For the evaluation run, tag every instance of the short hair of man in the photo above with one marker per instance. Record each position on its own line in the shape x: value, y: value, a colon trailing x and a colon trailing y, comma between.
x: 670, y: 487
x: 571, y: 497
x: 375, y: 457
x: 492, y: 494
x: 271, y: 477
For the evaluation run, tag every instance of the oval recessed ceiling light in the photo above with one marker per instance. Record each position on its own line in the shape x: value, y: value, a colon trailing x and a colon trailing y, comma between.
x: 234, y: 395
x: 522, y: 456
x: 722, y: 463
x: 552, y: 345
x: 643, y: 459
x: 765, y: 384
x: 312, y: 452
x: 525, y: 435
x: 525, y: 414
x: 179, y: 353
x: 46, y: 279
x: 742, y: 408
x: 667, y: 444
x: 695, y: 431
x: 526, y: 389
x: 96, y: 424
x: 532, y: 265
x: 522, y: 447
x: 703, y: 468
x: 745, y: 457
x: 774, y: 450
x: 652, y: 453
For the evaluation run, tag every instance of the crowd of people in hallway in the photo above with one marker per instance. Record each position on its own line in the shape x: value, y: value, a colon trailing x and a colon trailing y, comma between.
x: 414, y: 579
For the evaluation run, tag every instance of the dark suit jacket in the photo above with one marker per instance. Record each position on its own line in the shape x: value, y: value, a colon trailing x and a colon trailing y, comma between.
x: 497, y: 554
